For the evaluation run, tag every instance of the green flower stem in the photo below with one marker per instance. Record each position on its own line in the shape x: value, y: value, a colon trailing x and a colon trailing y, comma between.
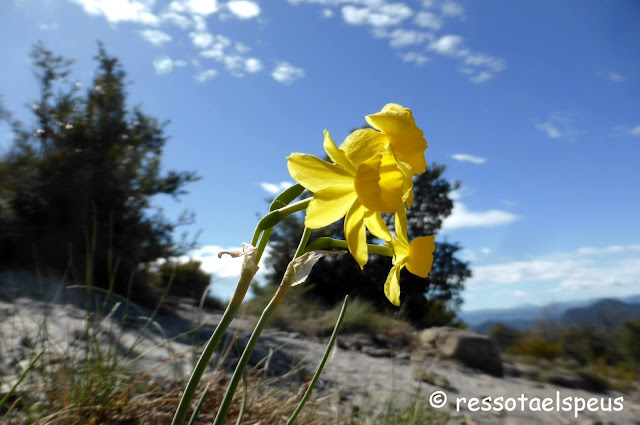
x: 330, y: 345
x: 249, y: 269
x: 264, y: 239
x: 285, y: 284
x: 304, y: 239
x: 275, y: 216
x: 282, y: 200
x: 325, y: 243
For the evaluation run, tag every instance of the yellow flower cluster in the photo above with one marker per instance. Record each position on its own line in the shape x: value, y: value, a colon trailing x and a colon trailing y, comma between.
x: 370, y: 173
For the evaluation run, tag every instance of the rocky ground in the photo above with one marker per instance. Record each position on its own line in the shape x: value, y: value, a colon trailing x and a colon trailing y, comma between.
x: 364, y: 372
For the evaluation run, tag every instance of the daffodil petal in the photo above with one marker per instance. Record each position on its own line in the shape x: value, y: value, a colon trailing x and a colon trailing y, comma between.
x: 362, y: 144
x: 329, y: 205
x: 355, y: 234
x: 392, y: 285
x: 380, y: 183
x: 393, y: 118
x: 401, y: 225
x: 376, y: 225
x: 421, y: 256
x: 409, y: 147
x: 315, y: 174
x: 336, y: 155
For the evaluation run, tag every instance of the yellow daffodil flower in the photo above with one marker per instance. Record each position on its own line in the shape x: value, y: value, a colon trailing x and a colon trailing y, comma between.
x: 357, y: 189
x: 397, y: 132
x: 416, y: 256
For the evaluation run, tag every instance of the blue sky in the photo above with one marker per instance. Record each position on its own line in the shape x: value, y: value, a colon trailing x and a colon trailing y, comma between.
x: 533, y: 105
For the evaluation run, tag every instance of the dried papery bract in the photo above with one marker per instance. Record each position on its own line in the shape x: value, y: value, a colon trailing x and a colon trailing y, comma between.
x: 297, y: 272
x: 247, y: 273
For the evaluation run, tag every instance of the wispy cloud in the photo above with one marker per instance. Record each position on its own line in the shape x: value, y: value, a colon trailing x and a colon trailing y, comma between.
x: 415, y: 57
x: 561, y: 124
x: 463, y: 157
x: 615, y: 77
x: 377, y: 14
x: 155, y: 37
x: 635, y: 131
x: 428, y: 20
x: 275, y: 188
x: 583, y: 269
x: 402, y: 37
x: 462, y: 217
x: 452, y: 9
x: 550, y: 129
x: 286, y: 73
x: 205, y: 75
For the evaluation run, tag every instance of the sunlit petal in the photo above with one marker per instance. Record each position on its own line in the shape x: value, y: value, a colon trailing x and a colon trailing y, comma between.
x: 392, y: 285
x: 379, y: 184
x: 362, y: 144
x: 421, y: 256
x: 401, y: 225
x: 376, y: 225
x: 329, y: 205
x: 393, y: 118
x: 405, y: 139
x: 354, y: 233
x: 315, y: 174
x: 336, y: 155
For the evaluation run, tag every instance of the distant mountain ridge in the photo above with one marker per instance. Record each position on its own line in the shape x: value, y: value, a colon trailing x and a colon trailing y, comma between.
x: 604, y: 312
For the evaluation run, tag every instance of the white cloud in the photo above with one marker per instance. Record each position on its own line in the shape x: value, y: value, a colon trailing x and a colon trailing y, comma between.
x: 202, y: 7
x: 275, y: 188
x: 221, y: 268
x: 377, y: 14
x: 485, y: 251
x: 244, y: 9
x: 180, y: 63
x: 612, y: 249
x: 615, y: 77
x: 451, y: 8
x: 481, y: 67
x: 286, y: 73
x: 217, y: 47
x: 635, y: 131
x: 155, y: 37
x: 415, y: 57
x: 253, y: 65
x: 177, y: 19
x: 481, y: 77
x: 461, y: 217
x: 401, y: 37
x: 584, y: 269
x: 138, y: 11
x: 206, y: 75
x: 163, y: 65
x: 550, y: 129
x: 463, y: 157
x: 428, y: 20
x: 199, y: 23
x: 201, y: 40
x: 519, y: 293
x: 446, y: 45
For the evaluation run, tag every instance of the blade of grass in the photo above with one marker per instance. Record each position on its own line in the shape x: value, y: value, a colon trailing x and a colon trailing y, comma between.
x: 330, y: 345
x: 22, y: 377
